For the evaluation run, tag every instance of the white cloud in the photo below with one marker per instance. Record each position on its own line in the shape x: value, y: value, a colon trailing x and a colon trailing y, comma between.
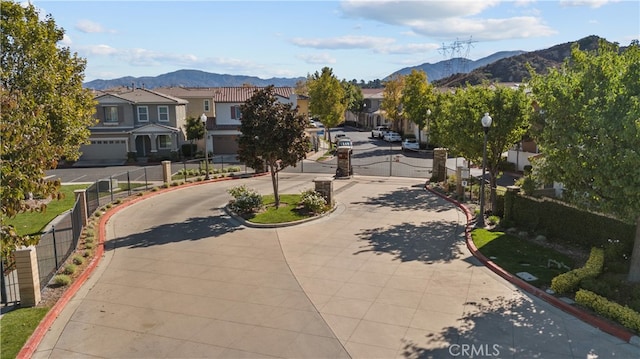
x: 315, y: 59
x: 89, y: 26
x: 406, y: 49
x: 449, y: 19
x: 344, y: 42
x: 590, y: 3
x: 66, y: 40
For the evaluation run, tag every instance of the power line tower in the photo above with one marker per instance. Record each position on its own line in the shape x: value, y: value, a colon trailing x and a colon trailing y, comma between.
x: 457, y: 54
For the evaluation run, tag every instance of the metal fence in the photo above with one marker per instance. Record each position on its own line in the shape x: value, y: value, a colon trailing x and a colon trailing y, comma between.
x: 57, y: 243
x: 9, y: 293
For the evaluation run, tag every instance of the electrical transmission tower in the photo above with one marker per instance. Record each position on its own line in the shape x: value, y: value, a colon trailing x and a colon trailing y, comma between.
x: 457, y: 53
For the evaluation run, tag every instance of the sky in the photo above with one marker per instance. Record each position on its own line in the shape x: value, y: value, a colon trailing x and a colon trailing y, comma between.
x: 359, y: 39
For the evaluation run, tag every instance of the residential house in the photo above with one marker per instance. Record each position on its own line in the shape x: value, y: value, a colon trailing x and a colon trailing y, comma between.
x: 135, y: 123
x: 372, y: 115
x: 223, y: 124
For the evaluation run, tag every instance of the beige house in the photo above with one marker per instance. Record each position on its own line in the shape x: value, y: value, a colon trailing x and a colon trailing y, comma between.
x: 135, y: 123
x: 224, y: 115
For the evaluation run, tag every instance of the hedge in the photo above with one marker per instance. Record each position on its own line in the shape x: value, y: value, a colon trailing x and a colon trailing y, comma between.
x: 569, y: 281
x: 566, y: 223
x: 614, y: 311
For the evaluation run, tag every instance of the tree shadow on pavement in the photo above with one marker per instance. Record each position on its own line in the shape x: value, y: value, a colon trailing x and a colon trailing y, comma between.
x: 414, y: 198
x: 426, y: 242
x: 509, y: 327
x: 192, y: 229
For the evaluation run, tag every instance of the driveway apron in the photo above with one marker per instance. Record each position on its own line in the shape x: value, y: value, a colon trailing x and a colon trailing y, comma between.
x: 386, y: 275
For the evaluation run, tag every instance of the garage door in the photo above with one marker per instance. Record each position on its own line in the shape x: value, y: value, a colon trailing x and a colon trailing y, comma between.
x: 104, y: 150
x: 225, y: 145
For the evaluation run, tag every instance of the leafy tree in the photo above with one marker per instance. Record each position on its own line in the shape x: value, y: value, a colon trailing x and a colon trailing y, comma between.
x: 45, y: 110
x: 459, y: 128
x: 272, y: 135
x: 301, y: 88
x: 589, y: 129
x: 417, y: 97
x: 354, y: 98
x: 392, y: 99
x: 327, y: 99
x: 194, y: 130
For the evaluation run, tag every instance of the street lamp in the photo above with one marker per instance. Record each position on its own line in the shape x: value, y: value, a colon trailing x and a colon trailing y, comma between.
x: 486, y: 123
x: 203, y: 118
x: 428, y: 128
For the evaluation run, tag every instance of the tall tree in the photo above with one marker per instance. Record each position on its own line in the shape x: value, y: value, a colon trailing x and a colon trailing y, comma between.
x: 272, y: 135
x: 327, y: 99
x: 353, y: 97
x: 417, y: 97
x: 392, y: 100
x: 459, y: 127
x: 589, y: 129
x: 45, y: 111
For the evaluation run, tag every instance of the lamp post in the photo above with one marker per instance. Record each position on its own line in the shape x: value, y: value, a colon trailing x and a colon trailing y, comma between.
x: 486, y: 123
x: 203, y: 118
x: 428, y: 128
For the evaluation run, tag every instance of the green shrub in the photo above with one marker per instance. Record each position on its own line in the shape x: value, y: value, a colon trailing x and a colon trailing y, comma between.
x: 568, y: 282
x: 313, y: 201
x: 62, y: 279
x: 245, y: 200
x: 87, y: 253
x: 89, y: 240
x: 527, y: 184
x: 69, y: 269
x: 78, y: 260
x: 494, y: 220
x: 601, y: 305
x: 89, y: 245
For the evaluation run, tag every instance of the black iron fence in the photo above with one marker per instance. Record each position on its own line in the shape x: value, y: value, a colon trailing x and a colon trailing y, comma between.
x: 9, y: 293
x: 57, y: 243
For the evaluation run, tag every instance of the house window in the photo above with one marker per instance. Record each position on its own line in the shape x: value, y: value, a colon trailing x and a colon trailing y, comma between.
x: 111, y: 114
x: 206, y: 106
x: 235, y: 112
x: 143, y: 114
x: 163, y: 113
x: 164, y: 142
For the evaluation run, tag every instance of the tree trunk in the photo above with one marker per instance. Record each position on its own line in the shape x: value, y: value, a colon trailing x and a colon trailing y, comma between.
x: 274, y: 182
x: 419, y: 137
x: 634, y: 270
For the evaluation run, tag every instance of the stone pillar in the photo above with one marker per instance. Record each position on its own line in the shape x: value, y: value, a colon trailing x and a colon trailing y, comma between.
x: 81, y: 195
x: 344, y: 162
x: 324, y: 186
x: 439, y: 164
x: 509, y: 200
x: 28, y: 276
x: 166, y: 171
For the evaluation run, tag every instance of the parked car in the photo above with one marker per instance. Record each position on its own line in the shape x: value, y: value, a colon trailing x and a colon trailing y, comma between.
x: 379, y: 131
x: 345, y: 142
x: 392, y: 137
x: 410, y: 144
x: 338, y: 136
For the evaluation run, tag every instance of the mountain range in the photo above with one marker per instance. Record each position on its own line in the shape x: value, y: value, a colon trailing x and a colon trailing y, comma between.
x: 503, y: 66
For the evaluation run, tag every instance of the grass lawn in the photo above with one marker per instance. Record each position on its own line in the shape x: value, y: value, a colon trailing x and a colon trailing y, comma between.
x: 34, y: 222
x: 21, y: 322
x: 287, y: 211
x: 519, y: 255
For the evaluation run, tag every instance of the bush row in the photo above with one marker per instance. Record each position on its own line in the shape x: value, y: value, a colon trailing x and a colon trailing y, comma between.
x: 614, y: 311
x: 571, y: 225
x: 568, y: 282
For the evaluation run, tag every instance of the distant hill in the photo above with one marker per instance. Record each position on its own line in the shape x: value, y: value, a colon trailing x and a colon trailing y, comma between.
x: 445, y: 68
x: 191, y: 78
x: 513, y: 69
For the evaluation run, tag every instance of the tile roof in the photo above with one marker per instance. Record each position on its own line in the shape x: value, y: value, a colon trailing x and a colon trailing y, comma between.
x: 223, y: 94
x: 142, y: 96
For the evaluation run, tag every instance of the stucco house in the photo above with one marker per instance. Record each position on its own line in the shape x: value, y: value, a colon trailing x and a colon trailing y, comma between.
x: 135, y: 123
x: 223, y: 117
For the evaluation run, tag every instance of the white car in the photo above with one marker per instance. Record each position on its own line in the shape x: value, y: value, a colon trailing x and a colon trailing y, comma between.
x: 410, y: 144
x: 392, y: 137
x: 379, y: 131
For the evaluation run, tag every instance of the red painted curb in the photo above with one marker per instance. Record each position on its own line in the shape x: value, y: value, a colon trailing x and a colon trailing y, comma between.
x: 38, y: 334
x: 605, y: 326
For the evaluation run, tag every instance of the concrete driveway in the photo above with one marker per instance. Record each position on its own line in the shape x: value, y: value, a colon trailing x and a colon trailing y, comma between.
x: 386, y: 275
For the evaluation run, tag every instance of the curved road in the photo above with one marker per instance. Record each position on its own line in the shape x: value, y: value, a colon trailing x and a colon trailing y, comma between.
x: 386, y: 275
